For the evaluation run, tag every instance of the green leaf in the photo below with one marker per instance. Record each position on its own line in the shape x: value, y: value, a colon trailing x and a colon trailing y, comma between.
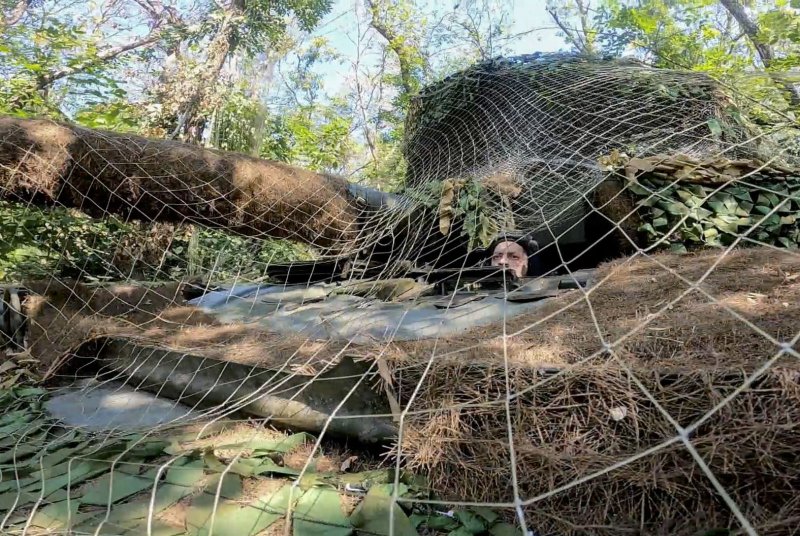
x: 675, y: 208
x: 146, y: 449
x: 677, y: 248
x: 714, y: 127
x: 660, y: 223
x: 166, y: 496
x: 656, y: 212
x: 372, y: 515
x: 238, y: 467
x: 761, y: 209
x: 441, y: 522
x: 471, y: 521
x: 462, y: 531
x: 718, y: 207
x: 56, y: 516
x: 319, y: 513
x: 186, y: 475
x: 267, y: 466
x: 638, y: 189
x: 768, y: 199
x: 690, y: 199
x: 693, y: 233
x: 725, y: 226
x: 697, y: 190
x: 699, y: 213
x: 772, y: 223
x: 20, y: 452
x: 20, y: 499
x: 232, y: 519
x: 504, y: 529
x: 262, y: 446
x: 647, y: 202
x: 77, y: 474
x: 231, y: 485
x: 743, y: 194
x: 647, y: 228
x: 114, y: 487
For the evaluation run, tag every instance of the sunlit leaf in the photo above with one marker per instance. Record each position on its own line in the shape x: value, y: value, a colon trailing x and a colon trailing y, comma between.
x: 319, y: 513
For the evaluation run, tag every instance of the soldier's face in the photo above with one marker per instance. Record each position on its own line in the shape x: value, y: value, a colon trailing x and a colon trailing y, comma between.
x: 512, y: 256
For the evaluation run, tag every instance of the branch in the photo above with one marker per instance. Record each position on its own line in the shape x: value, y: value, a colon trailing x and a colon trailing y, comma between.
x: 390, y: 36
x: 569, y: 33
x: 158, y: 12
x: 102, y: 56
x: 16, y: 14
x: 102, y: 173
x: 583, y: 10
x: 750, y: 28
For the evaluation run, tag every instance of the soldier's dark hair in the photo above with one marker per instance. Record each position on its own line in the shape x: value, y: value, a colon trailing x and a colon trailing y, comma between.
x: 525, y: 241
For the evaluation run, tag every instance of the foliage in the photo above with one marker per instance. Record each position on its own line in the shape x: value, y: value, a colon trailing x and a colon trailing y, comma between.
x: 263, y: 21
x: 780, y: 28
x: 38, y: 243
x: 234, y: 121
x: 116, y: 115
x: 464, y: 204
x: 463, y: 522
x: 314, y: 137
x: 686, y: 216
x: 702, y: 35
x: 66, y: 243
x: 673, y: 33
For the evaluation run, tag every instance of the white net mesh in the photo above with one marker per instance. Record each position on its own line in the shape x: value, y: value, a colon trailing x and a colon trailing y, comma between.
x: 176, y: 379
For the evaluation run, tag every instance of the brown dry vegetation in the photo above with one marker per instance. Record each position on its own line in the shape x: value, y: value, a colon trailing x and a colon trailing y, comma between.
x: 63, y: 314
x: 577, y: 410
x: 582, y: 410
x: 104, y: 173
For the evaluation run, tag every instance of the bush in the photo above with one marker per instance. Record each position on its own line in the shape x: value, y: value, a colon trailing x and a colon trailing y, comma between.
x: 59, y: 242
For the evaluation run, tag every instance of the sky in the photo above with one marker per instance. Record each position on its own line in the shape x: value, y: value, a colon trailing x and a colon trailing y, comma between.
x: 529, y: 18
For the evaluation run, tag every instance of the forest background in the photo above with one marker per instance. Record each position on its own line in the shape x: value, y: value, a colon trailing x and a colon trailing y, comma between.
x: 317, y: 83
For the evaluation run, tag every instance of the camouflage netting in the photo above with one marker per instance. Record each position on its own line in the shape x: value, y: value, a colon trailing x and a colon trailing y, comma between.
x: 660, y: 398
x: 532, y: 127
x: 684, y: 203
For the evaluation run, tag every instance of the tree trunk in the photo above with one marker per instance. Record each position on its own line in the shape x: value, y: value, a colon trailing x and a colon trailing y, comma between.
x: 192, y: 123
x: 407, y: 79
x: 584, y: 39
x: 764, y: 50
x: 15, y: 15
x: 102, y: 173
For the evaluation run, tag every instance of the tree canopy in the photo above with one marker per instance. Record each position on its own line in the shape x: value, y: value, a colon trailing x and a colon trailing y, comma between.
x: 326, y: 85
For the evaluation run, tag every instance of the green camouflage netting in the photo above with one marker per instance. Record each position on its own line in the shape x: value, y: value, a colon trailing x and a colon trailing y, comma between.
x: 531, y: 128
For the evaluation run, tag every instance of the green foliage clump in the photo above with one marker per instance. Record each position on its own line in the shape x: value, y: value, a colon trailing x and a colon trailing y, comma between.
x: 464, y: 204
x: 66, y: 243
x: 684, y: 216
x: 314, y: 137
x: 39, y: 243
